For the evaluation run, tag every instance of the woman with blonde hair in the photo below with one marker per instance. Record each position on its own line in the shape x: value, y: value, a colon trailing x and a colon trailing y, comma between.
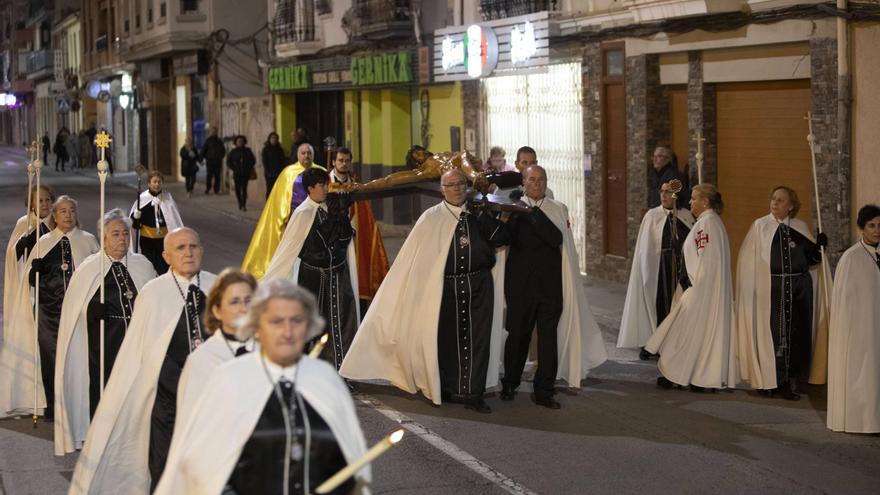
x: 774, y: 298
x: 694, y: 341
x: 227, y: 302
x: 273, y: 421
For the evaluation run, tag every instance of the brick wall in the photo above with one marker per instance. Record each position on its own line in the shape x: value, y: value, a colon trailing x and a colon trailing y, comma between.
x: 592, y: 115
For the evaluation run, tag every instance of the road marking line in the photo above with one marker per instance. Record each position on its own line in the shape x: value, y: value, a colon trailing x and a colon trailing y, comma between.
x: 486, y: 471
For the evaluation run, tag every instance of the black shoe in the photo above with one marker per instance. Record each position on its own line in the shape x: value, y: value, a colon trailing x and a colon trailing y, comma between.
x: 662, y: 382
x: 244, y: 208
x: 786, y: 393
x: 697, y: 389
x: 547, y: 401
x: 478, y: 405
x: 352, y: 388
x: 645, y: 355
x: 508, y: 392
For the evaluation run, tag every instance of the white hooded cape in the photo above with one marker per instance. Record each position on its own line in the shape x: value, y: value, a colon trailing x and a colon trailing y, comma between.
x: 397, y: 341
x: 14, y: 266
x: 854, y: 344
x: 640, y: 308
x: 197, y: 372
x: 72, y: 359
x: 165, y: 203
x: 115, y: 452
x: 19, y: 357
x: 579, y: 342
x: 204, y: 454
x: 285, y: 262
x: 695, y: 341
x: 757, y: 356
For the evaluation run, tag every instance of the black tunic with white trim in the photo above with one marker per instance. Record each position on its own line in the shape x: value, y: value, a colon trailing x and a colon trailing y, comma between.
x: 465, y: 327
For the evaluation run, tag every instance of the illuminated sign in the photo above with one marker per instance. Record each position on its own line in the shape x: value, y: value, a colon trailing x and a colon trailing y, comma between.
x: 386, y: 68
x: 477, y: 51
x: 523, y: 45
x: 289, y: 77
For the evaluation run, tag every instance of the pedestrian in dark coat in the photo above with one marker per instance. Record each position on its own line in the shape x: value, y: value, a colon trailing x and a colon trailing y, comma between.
x: 60, y: 150
x: 241, y: 161
x: 213, y: 151
x: 189, y: 164
x: 274, y: 160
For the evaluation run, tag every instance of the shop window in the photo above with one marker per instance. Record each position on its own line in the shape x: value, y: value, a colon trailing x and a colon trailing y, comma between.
x: 614, y: 63
x: 189, y: 6
x: 163, y: 9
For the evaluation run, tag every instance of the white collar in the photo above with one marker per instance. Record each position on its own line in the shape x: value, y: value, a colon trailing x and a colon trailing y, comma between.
x: 455, y: 209
x: 534, y: 202
x: 120, y: 260
x: 340, y: 178
x: 322, y: 206
x: 185, y: 282
x: 62, y: 234
x: 277, y: 372
x: 706, y: 211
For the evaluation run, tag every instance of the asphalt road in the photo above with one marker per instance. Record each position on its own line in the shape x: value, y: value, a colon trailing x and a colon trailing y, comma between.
x: 617, y: 434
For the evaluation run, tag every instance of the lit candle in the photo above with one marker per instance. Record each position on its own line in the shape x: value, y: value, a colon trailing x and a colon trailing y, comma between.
x: 371, y: 455
x: 316, y: 351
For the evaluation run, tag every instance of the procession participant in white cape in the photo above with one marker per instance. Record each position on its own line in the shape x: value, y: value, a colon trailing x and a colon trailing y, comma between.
x: 775, y: 298
x: 317, y: 252
x: 695, y: 342
x: 62, y: 251
x: 656, y: 269
x: 854, y: 333
x: 21, y: 243
x: 154, y: 215
x: 77, y: 370
x: 435, y: 323
x: 543, y: 286
x: 132, y: 427
x: 292, y: 423
x: 227, y: 302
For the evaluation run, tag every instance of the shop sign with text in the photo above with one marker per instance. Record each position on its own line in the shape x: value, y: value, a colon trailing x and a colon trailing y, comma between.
x: 290, y: 77
x: 385, y: 68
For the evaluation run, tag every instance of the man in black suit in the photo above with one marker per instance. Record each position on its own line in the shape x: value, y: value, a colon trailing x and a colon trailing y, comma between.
x: 665, y: 165
x: 533, y: 290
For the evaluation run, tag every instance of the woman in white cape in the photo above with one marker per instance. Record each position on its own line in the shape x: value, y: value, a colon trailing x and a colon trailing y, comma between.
x: 271, y: 421
x: 227, y: 302
x: 854, y: 333
x: 695, y: 339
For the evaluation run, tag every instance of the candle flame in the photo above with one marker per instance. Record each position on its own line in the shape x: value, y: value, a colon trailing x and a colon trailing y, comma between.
x: 396, y: 436
x: 325, y: 338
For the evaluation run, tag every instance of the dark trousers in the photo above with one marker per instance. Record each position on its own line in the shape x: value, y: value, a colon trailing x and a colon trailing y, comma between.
x: 241, y: 185
x: 60, y: 159
x: 190, y: 182
x: 270, y: 183
x: 47, y: 338
x: 792, y: 325
x: 523, y: 313
x: 332, y: 287
x: 215, y: 168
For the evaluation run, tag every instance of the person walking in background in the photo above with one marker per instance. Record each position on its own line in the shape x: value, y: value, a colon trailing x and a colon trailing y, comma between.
x: 60, y: 150
x: 298, y: 138
x: 274, y: 160
x: 91, y: 132
x: 213, y: 151
x: 72, y: 146
x: 241, y: 161
x: 85, y: 149
x: 47, y: 145
x: 189, y: 165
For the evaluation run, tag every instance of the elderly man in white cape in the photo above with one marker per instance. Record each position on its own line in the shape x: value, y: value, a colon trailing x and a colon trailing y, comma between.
x: 153, y: 215
x: 317, y: 252
x: 854, y: 333
x: 21, y: 243
x: 776, y: 298
x: 655, y: 273
x: 695, y: 341
x: 78, y: 365
x: 435, y: 323
x: 127, y: 442
x: 54, y: 258
x: 292, y: 423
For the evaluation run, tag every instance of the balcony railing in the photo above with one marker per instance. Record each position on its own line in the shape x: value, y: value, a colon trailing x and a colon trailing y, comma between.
x: 40, y: 60
x: 294, y: 21
x: 380, y: 19
x: 499, y: 9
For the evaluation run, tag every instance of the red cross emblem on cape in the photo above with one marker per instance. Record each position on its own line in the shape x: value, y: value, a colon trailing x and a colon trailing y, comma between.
x: 701, y: 239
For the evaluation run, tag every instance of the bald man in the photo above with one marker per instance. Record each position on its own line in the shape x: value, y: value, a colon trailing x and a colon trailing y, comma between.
x: 435, y: 321
x: 128, y: 441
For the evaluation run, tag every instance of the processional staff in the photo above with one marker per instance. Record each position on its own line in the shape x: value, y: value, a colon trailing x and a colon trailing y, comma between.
x: 36, y: 165
x: 699, y: 156
x: 102, y: 141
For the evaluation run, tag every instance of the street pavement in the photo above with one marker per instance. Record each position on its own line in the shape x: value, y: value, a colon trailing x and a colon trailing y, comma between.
x: 616, y: 434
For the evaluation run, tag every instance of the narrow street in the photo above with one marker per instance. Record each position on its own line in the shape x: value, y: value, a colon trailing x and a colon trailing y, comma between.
x: 618, y: 434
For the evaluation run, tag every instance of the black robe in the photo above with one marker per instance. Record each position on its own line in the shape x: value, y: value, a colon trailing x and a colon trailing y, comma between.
x: 671, y: 264
x: 151, y: 236
x: 324, y: 271
x: 260, y: 466
x: 118, y: 285
x: 465, y: 327
x: 26, y: 243
x: 54, y: 278
x: 187, y: 336
x: 791, y: 302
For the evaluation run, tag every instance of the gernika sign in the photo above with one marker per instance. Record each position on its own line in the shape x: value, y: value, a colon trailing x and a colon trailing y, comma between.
x: 478, y: 51
x: 387, y: 68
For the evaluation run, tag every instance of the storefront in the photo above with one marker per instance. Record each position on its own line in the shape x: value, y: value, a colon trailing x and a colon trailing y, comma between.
x: 525, y: 99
